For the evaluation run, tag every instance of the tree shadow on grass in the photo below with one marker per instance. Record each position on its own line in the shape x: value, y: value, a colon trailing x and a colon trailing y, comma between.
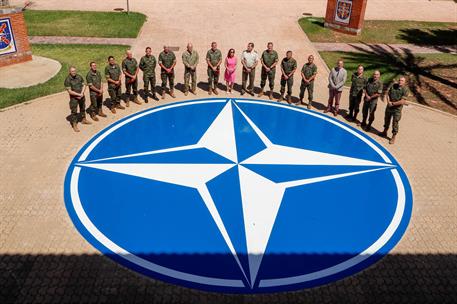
x: 421, y: 75
x: 444, y: 40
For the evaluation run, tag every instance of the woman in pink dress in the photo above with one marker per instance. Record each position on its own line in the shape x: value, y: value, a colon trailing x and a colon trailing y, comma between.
x: 230, y: 67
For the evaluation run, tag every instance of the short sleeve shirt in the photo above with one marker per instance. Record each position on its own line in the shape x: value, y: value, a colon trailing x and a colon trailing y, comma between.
x: 250, y: 57
x: 396, y: 93
x: 167, y: 59
x: 148, y: 65
x: 358, y: 84
x: 130, y: 65
x: 373, y: 87
x: 94, y: 79
x: 190, y: 58
x: 214, y: 56
x: 113, y: 72
x: 288, y: 65
x: 75, y: 84
x: 309, y: 70
x: 269, y: 58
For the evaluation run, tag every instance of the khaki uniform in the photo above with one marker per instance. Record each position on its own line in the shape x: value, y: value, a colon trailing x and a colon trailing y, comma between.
x: 268, y: 58
x: 393, y: 113
x: 355, y: 94
x: 288, y: 65
x: 369, y: 106
x: 148, y: 66
x: 308, y: 70
x: 113, y: 72
x: 190, y: 60
x: 96, y: 100
x: 167, y: 60
x: 130, y: 66
x: 76, y: 84
x: 213, y: 76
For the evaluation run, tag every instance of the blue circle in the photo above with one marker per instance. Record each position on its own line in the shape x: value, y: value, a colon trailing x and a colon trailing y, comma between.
x: 238, y: 196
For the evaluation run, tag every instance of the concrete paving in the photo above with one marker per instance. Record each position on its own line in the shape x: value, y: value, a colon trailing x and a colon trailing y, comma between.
x: 38, y: 70
x: 44, y: 259
x: 384, y: 48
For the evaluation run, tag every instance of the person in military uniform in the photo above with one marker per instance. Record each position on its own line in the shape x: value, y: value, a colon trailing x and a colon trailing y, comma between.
x: 269, y: 60
x: 190, y: 60
x: 167, y: 62
x: 113, y: 77
x: 214, y: 60
x: 130, y: 69
x: 249, y: 60
x: 148, y: 67
x: 358, y: 83
x: 308, y: 74
x: 94, y: 82
x: 74, y: 84
x: 396, y: 98
x: 373, y: 89
x: 288, y: 67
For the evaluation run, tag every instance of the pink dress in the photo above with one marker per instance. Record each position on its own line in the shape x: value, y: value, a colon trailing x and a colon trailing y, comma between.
x: 230, y: 70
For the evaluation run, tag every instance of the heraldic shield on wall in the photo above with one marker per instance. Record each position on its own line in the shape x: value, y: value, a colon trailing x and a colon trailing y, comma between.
x: 343, y: 11
x: 7, y: 43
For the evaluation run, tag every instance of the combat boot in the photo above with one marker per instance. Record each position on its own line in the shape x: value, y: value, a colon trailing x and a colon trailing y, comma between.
x: 309, y: 105
x: 113, y: 110
x: 118, y: 106
x: 74, y: 125
x: 100, y: 113
x: 260, y: 94
x: 93, y: 116
x: 127, y: 103
x: 281, y: 98
x: 392, y: 140
x: 210, y: 91
x: 215, y: 91
x: 186, y: 93
x: 289, y: 99
x: 270, y: 95
x: 135, y: 100
x: 85, y: 121
x: 162, y: 94
x: 384, y: 133
x: 154, y: 96
x: 172, y: 94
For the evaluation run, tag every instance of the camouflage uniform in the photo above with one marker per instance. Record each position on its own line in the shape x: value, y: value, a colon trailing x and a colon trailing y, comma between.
x: 268, y: 58
x: 308, y: 70
x: 369, y: 107
x: 395, y: 93
x: 113, y: 72
x: 148, y: 66
x: 288, y: 65
x: 190, y: 59
x: 96, y: 100
x: 167, y: 60
x: 76, y: 84
x: 355, y: 94
x: 130, y: 65
x: 213, y: 76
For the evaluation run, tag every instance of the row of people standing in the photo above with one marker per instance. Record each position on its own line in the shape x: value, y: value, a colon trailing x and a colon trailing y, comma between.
x: 370, y: 89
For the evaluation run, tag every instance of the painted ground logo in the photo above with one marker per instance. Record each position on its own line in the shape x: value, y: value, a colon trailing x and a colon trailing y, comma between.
x: 238, y: 196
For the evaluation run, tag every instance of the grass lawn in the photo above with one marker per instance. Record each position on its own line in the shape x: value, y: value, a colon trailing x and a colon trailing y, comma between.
x: 83, y: 24
x: 432, y: 77
x: 67, y: 55
x: 380, y: 31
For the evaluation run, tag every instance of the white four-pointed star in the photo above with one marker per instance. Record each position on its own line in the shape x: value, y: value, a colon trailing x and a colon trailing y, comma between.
x: 261, y: 197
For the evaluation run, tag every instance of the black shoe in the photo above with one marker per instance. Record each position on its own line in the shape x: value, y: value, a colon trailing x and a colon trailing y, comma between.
x: 363, y: 124
x: 154, y: 96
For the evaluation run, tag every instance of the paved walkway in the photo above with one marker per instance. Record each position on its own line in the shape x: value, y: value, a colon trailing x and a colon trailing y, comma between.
x: 43, y: 257
x: 382, y: 47
x: 80, y: 40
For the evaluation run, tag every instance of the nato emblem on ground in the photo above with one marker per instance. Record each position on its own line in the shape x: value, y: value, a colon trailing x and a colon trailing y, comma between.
x: 238, y: 195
